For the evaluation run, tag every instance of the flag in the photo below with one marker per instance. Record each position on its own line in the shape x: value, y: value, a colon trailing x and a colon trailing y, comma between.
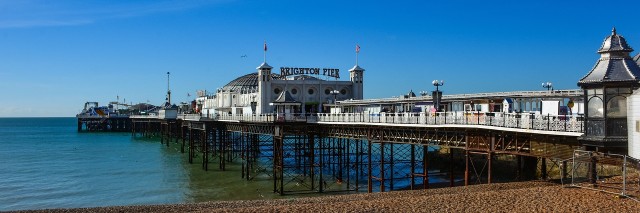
x: 357, y: 48
x: 265, y: 46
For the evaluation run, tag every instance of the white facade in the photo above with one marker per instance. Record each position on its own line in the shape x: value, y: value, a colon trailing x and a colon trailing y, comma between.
x: 253, y: 93
x: 168, y: 113
x: 633, y: 124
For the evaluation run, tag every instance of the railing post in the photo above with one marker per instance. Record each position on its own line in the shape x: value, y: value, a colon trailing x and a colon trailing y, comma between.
x: 445, y: 118
x: 490, y: 120
x: 548, y: 122
x: 624, y: 176
x: 531, y: 121
x: 435, y: 118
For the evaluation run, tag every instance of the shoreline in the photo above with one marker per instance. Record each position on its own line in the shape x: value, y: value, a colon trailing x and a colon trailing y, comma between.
x: 531, y: 196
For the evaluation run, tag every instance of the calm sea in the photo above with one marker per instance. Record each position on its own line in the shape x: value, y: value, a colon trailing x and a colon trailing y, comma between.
x: 46, y: 163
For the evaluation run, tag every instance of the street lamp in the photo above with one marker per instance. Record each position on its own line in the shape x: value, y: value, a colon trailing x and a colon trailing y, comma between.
x: 335, y: 94
x: 424, y: 93
x: 437, y: 83
x: 548, y: 85
x: 437, y: 95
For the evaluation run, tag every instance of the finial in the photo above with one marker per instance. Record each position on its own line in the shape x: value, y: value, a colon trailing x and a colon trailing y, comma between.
x: 613, y: 31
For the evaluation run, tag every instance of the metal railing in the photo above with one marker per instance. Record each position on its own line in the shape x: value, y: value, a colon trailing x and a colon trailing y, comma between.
x: 272, y: 117
x: 190, y: 117
x: 561, y: 123
x: 144, y: 116
x: 612, y: 173
x: 509, y: 120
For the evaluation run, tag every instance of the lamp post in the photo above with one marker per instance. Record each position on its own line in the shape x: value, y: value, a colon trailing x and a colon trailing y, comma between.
x: 548, y: 85
x: 437, y: 95
x: 335, y: 95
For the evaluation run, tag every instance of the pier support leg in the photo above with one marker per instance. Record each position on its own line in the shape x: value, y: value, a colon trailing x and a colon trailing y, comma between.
x: 413, y: 165
x: 519, y: 167
x: 191, y: 149
x: 466, y: 167
x: 543, y: 168
x: 370, y: 179
x: 489, y: 162
x: 382, y: 170
x: 183, y: 139
x: 451, y: 175
x: 564, y: 169
x: 425, y: 166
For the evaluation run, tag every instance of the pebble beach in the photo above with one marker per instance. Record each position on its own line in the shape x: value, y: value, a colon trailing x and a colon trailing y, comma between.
x: 533, y: 196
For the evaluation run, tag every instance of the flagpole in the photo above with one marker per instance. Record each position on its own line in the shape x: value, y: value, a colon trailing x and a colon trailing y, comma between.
x: 265, y: 51
x: 357, y: 52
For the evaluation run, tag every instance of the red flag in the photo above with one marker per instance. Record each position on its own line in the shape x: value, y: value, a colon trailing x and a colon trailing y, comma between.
x: 357, y: 48
x: 265, y: 46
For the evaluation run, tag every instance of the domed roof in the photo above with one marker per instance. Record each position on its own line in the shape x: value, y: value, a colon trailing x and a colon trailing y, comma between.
x: 248, y: 81
x: 614, y: 43
x: 614, y: 66
x: 411, y: 94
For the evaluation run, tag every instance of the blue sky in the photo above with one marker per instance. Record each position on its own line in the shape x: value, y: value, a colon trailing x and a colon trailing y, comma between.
x: 56, y: 55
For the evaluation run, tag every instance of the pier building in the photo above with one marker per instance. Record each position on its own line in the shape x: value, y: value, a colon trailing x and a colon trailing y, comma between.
x: 306, y: 90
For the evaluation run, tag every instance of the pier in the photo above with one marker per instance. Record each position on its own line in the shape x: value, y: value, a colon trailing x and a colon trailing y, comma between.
x: 376, y: 152
x: 347, y: 143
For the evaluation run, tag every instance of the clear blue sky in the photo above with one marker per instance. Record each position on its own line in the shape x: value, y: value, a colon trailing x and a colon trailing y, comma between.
x: 56, y: 55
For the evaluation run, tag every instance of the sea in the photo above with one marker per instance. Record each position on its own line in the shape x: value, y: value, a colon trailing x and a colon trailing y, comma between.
x: 46, y: 163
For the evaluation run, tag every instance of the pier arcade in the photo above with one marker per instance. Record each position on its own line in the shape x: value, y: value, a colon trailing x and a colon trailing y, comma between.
x: 255, y: 93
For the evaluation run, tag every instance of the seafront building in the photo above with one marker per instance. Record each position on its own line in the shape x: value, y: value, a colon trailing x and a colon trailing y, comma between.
x: 291, y: 90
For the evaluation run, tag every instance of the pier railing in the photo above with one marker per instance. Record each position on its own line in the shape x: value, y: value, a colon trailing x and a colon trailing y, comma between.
x: 144, y: 116
x: 564, y: 123
x: 272, y: 117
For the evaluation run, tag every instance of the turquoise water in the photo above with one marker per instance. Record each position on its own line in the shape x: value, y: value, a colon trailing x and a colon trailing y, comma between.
x: 46, y: 163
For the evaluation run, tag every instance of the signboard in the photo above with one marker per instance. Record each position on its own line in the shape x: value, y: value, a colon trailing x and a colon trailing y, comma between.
x: 287, y: 71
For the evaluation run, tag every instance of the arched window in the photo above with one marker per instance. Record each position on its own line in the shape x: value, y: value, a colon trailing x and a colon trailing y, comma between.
x: 617, y: 107
x: 595, y: 107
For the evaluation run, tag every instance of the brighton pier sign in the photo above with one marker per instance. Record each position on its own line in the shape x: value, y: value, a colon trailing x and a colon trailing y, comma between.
x: 287, y: 71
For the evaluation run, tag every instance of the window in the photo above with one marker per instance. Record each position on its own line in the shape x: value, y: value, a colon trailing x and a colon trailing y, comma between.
x: 311, y: 91
x: 343, y: 91
x: 478, y: 107
x: 294, y: 91
x: 327, y: 91
x: 617, y: 107
x: 595, y: 109
x: 277, y: 91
